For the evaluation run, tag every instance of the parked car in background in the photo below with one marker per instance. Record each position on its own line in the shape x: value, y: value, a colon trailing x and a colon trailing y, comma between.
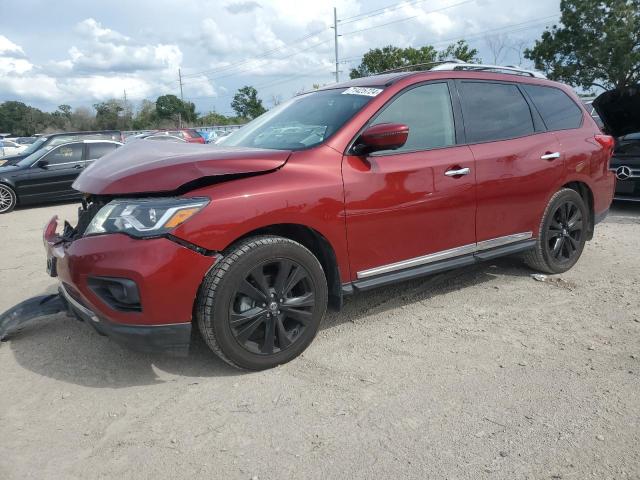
x: 620, y: 113
x: 26, y: 140
x: 189, y: 135
x: 54, y: 139
x: 165, y: 138
x: 47, y: 174
x: 216, y: 135
x: 9, y: 148
x: 347, y: 188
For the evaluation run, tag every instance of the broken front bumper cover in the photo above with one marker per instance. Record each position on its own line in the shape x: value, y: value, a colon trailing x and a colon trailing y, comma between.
x: 173, y: 339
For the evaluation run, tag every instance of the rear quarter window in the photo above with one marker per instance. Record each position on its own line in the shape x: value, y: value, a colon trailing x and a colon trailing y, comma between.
x: 557, y: 109
x: 98, y: 150
x: 494, y: 111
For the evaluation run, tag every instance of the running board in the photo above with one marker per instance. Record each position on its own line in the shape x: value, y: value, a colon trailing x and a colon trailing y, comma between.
x: 437, y: 267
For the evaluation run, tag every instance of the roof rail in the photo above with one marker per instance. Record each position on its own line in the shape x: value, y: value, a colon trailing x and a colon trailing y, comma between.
x: 454, y: 61
x: 480, y: 67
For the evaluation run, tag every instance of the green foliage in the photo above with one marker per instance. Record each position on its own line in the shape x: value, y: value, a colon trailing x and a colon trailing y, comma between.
x: 171, y: 107
x: 215, y: 118
x: 597, y: 44
x: 379, y: 60
x: 17, y: 118
x: 246, y: 103
x: 20, y: 119
x: 107, y: 114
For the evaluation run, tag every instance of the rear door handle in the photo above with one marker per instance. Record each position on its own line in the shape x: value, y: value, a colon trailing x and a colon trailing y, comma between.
x: 77, y: 166
x: 550, y: 156
x: 458, y: 172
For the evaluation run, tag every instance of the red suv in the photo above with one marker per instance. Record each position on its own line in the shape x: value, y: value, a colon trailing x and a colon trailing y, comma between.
x: 344, y: 189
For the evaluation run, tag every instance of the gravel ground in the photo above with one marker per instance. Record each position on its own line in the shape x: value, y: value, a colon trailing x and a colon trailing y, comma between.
x: 473, y: 374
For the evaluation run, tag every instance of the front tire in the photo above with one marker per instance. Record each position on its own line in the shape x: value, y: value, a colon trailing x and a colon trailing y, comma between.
x: 562, y: 234
x: 8, y: 198
x: 262, y: 304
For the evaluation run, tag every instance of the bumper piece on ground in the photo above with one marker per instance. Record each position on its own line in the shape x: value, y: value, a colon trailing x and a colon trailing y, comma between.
x: 15, y: 318
x: 173, y: 339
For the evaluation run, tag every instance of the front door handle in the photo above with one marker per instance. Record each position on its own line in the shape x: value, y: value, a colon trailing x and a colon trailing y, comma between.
x: 77, y: 166
x: 550, y: 156
x: 458, y: 172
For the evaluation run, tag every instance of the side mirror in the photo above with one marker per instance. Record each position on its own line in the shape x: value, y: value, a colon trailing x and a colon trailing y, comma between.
x: 42, y: 164
x: 385, y: 136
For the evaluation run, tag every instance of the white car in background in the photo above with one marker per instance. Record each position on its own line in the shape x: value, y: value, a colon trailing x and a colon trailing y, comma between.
x: 10, y: 147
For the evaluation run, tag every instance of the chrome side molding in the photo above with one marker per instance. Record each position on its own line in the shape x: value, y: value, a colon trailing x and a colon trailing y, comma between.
x: 446, y: 254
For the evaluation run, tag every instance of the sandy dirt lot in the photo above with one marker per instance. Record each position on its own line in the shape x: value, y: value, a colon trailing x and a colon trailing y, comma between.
x: 473, y: 374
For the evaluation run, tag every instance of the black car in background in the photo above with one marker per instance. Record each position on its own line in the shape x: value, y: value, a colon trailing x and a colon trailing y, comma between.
x: 53, y: 139
x: 47, y: 174
x: 620, y: 113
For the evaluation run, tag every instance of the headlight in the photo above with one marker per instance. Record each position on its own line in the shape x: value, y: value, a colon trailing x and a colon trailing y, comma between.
x: 148, y: 217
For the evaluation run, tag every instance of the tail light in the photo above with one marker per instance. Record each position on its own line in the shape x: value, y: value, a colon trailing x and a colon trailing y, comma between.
x: 607, y: 142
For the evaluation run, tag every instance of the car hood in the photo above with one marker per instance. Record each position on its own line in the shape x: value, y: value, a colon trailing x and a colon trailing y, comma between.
x: 6, y: 168
x: 13, y: 159
x: 150, y: 167
x: 619, y: 110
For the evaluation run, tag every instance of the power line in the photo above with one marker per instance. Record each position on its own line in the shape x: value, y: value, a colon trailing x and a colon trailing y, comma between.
x: 379, y: 11
x: 404, y: 19
x: 249, y: 68
x: 473, y: 36
x: 266, y: 53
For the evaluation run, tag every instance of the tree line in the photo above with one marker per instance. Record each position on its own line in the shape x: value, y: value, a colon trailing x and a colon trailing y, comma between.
x: 168, y: 111
x: 595, y: 45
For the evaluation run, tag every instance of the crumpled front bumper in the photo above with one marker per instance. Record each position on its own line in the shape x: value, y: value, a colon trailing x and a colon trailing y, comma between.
x: 166, y: 273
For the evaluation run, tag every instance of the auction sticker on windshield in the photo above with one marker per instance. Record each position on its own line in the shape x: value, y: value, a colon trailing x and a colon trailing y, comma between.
x: 368, y: 91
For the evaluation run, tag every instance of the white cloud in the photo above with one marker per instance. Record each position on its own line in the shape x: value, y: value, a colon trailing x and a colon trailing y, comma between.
x: 10, y: 49
x: 221, y: 45
x: 93, y: 29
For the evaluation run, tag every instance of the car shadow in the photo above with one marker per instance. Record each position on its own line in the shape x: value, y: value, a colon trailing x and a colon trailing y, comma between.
x: 65, y: 349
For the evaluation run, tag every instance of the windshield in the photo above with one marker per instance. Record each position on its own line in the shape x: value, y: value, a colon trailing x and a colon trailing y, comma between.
x: 303, y: 121
x: 34, y: 146
x: 35, y: 156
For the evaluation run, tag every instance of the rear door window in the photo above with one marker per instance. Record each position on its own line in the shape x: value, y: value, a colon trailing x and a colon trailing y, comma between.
x: 63, y: 154
x: 427, y: 111
x: 494, y: 111
x: 97, y: 150
x: 558, y: 111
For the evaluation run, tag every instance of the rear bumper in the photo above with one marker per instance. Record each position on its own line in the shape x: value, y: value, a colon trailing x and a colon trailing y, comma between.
x: 167, y: 276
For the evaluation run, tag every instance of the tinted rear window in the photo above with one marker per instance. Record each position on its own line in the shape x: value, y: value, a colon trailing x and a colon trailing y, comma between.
x: 494, y: 111
x: 97, y: 150
x: 558, y: 111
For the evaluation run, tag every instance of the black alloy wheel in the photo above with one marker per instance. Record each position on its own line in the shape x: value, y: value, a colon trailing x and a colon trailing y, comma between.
x: 562, y: 233
x: 261, y: 304
x: 272, y: 307
x: 565, y: 232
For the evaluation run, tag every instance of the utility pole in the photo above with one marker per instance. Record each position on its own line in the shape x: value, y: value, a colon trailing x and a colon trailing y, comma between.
x: 335, y: 38
x: 181, y: 97
x: 124, y: 109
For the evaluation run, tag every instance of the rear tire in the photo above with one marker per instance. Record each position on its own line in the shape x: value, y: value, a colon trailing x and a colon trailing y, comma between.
x: 562, y: 234
x: 8, y: 198
x: 262, y: 304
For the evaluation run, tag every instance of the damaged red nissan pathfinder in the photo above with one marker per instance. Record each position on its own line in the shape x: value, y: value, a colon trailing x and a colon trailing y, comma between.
x: 347, y: 188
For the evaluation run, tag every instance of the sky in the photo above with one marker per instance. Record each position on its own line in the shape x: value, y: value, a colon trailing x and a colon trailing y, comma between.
x: 80, y: 52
